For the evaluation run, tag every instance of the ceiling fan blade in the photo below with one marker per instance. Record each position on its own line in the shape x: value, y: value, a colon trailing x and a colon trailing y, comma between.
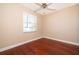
x: 38, y: 4
x: 50, y: 9
x: 38, y: 10
x: 49, y: 4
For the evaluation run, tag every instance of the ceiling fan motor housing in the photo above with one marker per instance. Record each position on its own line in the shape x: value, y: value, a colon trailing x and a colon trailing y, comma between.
x: 44, y: 5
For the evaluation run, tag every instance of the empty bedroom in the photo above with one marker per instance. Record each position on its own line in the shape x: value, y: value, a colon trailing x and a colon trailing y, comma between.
x: 39, y: 29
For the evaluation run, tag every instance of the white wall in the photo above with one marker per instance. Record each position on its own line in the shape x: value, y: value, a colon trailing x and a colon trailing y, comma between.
x: 11, y: 25
x: 63, y: 24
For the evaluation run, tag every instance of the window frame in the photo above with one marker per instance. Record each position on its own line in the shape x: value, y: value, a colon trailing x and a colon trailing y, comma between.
x: 35, y: 23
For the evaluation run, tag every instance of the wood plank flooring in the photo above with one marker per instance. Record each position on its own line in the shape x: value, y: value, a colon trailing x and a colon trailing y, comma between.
x: 43, y: 46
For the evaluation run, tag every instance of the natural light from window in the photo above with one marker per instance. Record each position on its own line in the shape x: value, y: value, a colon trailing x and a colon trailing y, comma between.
x: 29, y: 22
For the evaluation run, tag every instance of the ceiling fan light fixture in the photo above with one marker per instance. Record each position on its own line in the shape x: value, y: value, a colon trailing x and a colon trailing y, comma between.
x: 43, y: 6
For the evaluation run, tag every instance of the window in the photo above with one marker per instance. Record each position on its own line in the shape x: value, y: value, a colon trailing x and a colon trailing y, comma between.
x: 29, y: 23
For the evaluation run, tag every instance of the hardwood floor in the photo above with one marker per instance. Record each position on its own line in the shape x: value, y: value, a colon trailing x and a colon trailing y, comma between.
x: 43, y: 46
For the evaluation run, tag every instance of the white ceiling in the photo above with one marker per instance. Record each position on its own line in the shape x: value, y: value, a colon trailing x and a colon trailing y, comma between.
x: 56, y: 6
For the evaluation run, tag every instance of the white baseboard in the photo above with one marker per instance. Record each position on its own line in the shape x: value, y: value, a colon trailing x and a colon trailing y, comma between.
x: 73, y: 43
x: 21, y: 43
x: 18, y: 44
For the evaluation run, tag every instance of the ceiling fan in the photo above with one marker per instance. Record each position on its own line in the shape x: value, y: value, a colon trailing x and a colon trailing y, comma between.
x: 43, y: 6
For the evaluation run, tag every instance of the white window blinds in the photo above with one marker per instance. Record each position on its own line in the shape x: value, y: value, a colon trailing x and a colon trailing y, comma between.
x: 29, y: 23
